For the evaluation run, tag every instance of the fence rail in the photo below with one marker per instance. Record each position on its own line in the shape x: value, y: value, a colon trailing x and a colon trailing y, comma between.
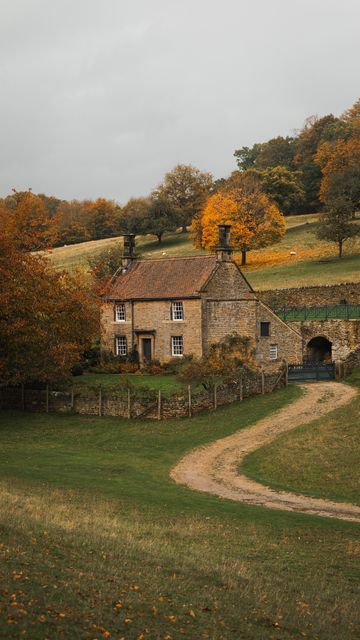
x: 155, y: 406
x: 324, y: 312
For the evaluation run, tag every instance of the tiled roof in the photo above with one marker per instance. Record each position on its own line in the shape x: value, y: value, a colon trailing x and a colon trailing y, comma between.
x: 163, y: 278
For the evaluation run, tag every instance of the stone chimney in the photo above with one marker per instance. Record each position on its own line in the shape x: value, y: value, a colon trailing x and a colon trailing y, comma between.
x: 224, y: 250
x: 129, y: 250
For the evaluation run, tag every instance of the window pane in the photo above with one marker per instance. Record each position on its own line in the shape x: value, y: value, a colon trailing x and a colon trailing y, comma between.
x: 177, y: 346
x: 177, y: 311
x: 273, y: 352
x: 120, y: 346
x: 264, y: 328
x: 120, y: 312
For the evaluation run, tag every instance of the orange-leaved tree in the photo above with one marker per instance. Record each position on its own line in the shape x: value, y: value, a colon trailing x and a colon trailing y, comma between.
x: 256, y: 220
x: 25, y: 218
x: 47, y: 318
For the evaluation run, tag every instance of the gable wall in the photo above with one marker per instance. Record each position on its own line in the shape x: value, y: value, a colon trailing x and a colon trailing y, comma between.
x: 227, y: 283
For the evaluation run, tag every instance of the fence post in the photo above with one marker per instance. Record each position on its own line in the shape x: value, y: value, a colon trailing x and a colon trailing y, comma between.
x: 189, y: 399
x: 72, y: 400
x: 100, y: 401
x: 286, y: 373
x: 241, y: 388
x: 129, y: 404
x: 23, y: 397
x: 262, y: 382
x: 47, y: 399
x: 215, y: 396
x: 159, y: 405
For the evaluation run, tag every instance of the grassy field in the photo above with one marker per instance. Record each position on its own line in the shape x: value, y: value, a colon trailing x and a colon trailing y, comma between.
x: 97, y: 541
x: 168, y: 384
x: 321, y: 459
x: 314, y: 262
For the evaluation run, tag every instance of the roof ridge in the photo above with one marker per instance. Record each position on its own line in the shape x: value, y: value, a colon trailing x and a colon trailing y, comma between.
x: 207, y: 255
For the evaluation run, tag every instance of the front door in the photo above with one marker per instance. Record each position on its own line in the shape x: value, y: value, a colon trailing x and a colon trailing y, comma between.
x: 146, y: 349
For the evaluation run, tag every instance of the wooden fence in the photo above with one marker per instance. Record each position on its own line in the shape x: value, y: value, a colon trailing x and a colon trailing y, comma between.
x: 131, y: 405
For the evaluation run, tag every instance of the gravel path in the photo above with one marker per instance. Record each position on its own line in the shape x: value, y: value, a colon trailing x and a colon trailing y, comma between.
x: 214, y: 468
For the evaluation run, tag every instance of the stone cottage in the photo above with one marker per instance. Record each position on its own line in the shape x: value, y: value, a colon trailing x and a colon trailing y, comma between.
x: 171, y: 307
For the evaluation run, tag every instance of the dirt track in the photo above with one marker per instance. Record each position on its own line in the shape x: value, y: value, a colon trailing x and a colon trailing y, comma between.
x: 214, y: 468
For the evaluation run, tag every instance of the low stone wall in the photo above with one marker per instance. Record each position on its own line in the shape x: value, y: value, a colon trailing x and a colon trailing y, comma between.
x: 177, y: 406
x: 311, y: 296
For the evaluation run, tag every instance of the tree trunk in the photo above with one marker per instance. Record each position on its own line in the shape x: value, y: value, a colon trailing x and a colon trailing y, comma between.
x: 159, y: 236
x: 243, y: 257
x: 340, y: 248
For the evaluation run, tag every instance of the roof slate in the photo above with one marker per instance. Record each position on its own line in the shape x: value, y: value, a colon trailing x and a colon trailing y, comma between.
x: 165, y: 278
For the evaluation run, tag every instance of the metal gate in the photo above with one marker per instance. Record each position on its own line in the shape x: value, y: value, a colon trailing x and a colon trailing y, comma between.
x: 311, y: 372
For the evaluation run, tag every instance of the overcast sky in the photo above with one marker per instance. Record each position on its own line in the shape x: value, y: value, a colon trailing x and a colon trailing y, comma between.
x: 102, y: 97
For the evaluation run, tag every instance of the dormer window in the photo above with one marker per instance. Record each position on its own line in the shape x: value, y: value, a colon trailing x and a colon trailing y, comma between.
x: 177, y: 311
x: 120, y: 314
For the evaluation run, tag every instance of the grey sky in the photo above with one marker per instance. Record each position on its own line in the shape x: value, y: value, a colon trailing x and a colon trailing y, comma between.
x: 102, y: 97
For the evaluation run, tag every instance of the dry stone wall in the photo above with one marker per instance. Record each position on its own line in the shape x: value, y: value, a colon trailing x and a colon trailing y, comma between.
x: 177, y: 406
x: 311, y: 296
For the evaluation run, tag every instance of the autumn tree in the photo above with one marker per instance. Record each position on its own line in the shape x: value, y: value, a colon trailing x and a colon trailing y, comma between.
x: 335, y: 223
x: 135, y: 216
x: 276, y: 152
x: 186, y: 188
x: 25, y: 218
x: 282, y: 185
x: 103, y: 218
x: 256, y: 220
x: 47, y: 318
x: 162, y: 217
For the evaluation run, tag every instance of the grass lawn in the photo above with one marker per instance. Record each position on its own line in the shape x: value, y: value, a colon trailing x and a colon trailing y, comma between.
x: 321, y: 459
x: 111, y: 382
x: 307, y: 273
x: 98, y: 542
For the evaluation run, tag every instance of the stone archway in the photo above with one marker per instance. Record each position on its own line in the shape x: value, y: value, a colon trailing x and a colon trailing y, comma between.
x: 319, y: 349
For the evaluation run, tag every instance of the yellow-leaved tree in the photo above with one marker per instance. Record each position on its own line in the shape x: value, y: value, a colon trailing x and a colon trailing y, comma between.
x: 255, y: 220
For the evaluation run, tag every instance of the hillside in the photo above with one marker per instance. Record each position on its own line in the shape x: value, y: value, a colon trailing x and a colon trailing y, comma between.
x: 299, y: 259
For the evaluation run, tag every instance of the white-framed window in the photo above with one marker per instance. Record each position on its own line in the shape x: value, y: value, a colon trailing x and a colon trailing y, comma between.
x: 177, y: 311
x: 120, y: 345
x: 273, y: 352
x: 120, y: 313
x: 177, y: 346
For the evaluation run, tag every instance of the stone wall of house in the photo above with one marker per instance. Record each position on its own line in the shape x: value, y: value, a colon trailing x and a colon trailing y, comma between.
x: 177, y: 406
x: 286, y: 336
x: 311, y: 296
x: 222, y: 317
x: 152, y: 319
x: 343, y: 334
x: 228, y: 283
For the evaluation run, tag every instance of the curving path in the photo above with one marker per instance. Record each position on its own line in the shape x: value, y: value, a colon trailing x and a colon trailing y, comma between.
x: 214, y: 468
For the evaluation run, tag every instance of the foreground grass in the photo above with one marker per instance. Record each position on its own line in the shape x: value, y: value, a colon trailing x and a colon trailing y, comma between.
x: 321, y: 459
x: 97, y: 541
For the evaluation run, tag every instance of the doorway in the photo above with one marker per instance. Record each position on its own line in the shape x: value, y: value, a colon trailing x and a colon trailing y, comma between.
x: 146, y: 350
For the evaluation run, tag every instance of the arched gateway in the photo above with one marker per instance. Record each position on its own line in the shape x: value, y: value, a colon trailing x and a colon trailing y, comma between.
x: 319, y: 349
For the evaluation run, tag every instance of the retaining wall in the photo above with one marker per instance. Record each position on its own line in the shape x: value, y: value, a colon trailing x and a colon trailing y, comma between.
x: 311, y: 296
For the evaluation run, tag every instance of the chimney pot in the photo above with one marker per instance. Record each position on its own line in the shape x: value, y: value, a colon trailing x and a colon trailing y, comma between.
x: 129, y: 249
x: 224, y: 250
